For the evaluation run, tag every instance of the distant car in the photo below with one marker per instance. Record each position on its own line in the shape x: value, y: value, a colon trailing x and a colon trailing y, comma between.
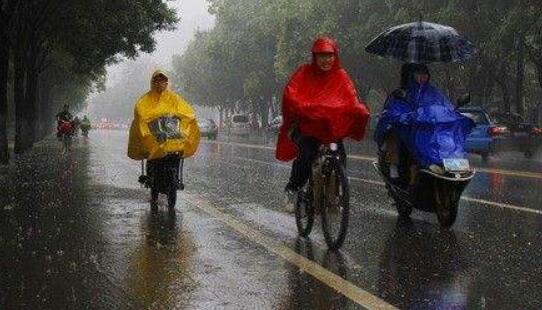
x: 240, y: 125
x: 500, y: 133
x: 209, y: 129
x: 525, y: 137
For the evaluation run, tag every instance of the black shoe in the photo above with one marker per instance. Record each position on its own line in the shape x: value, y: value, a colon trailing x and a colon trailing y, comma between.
x: 145, y: 180
x: 290, y: 187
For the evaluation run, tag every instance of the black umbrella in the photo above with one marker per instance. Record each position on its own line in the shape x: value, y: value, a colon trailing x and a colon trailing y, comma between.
x: 422, y: 42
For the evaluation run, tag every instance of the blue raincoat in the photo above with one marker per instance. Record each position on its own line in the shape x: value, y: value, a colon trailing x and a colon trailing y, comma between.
x: 427, y: 123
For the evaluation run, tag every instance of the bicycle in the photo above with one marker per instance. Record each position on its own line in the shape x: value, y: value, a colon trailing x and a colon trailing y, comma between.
x: 163, y: 176
x: 328, y: 193
x: 65, y: 132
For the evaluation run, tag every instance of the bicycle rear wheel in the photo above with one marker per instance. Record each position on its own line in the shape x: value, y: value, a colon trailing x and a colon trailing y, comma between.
x: 335, y: 205
x: 304, y: 210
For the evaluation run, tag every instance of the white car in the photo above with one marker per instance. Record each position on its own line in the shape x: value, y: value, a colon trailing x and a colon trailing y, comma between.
x: 240, y: 125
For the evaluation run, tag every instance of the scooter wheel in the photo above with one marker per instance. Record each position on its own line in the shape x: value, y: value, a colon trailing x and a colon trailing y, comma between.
x: 447, y: 217
x: 446, y: 207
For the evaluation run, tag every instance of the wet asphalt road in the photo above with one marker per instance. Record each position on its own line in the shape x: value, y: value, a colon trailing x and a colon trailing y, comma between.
x: 77, y: 233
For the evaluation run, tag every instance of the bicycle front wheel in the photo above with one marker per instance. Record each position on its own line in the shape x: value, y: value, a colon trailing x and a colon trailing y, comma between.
x: 335, y: 205
x: 304, y: 210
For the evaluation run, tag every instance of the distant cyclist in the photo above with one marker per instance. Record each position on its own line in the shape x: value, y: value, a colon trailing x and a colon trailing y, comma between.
x: 65, y: 127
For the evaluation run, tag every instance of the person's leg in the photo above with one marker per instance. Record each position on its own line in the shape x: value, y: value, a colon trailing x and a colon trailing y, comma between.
x: 342, y: 153
x: 392, y: 154
x: 301, y: 168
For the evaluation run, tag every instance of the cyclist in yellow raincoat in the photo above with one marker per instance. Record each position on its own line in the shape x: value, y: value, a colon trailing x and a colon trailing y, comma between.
x: 150, y: 139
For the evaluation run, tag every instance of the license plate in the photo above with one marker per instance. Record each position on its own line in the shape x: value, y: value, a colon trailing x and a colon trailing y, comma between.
x: 456, y: 164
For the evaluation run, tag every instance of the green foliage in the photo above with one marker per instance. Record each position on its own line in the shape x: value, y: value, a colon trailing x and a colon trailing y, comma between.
x: 256, y: 45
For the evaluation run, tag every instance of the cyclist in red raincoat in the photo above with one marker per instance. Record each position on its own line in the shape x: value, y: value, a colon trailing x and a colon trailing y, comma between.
x: 320, y: 105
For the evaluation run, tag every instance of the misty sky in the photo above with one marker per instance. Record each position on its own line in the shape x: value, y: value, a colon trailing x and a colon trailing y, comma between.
x: 194, y: 16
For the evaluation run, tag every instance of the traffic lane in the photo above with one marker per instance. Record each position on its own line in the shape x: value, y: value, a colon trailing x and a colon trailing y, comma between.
x: 77, y: 233
x: 517, y: 191
x: 497, y: 265
x: 485, y: 251
x: 504, y: 160
x: 237, y: 272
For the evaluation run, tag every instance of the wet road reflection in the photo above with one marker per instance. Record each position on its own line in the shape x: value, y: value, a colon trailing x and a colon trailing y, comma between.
x: 309, y: 293
x: 78, y: 232
x: 422, y: 268
x: 160, y: 266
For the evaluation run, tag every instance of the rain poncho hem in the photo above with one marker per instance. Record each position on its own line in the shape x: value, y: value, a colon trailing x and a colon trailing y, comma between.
x: 427, y: 123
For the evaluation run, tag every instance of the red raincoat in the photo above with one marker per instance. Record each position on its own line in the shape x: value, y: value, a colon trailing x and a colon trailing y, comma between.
x: 324, y: 105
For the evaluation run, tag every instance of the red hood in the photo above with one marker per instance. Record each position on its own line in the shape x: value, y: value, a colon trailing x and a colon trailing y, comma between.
x: 325, y: 45
x: 324, y: 105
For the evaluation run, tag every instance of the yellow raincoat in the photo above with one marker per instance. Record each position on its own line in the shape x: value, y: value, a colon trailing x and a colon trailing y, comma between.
x: 151, y: 106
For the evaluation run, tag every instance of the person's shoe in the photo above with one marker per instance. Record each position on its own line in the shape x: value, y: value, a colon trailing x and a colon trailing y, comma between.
x: 289, y: 200
x: 144, y: 180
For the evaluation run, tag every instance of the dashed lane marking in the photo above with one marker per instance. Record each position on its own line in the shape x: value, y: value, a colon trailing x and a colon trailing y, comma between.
x: 340, y: 285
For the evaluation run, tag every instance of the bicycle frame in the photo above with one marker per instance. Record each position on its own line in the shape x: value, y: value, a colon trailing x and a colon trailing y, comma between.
x: 326, y: 154
x: 331, y: 157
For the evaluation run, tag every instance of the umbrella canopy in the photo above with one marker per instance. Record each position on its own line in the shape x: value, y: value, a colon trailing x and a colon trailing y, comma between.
x: 423, y: 43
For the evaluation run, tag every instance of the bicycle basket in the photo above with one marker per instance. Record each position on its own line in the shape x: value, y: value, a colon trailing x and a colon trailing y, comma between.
x: 166, y: 128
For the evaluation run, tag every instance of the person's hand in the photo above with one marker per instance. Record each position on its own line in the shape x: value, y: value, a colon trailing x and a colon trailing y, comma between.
x: 399, y: 93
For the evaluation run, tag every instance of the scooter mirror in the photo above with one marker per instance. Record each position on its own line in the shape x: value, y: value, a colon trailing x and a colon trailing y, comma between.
x: 463, y: 100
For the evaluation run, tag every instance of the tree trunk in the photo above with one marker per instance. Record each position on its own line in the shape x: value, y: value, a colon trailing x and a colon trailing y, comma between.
x: 221, y: 116
x: 520, y: 76
x: 23, y: 124
x: 45, y: 110
x: 501, y: 79
x: 31, y: 94
x: 4, y: 70
x: 539, y: 74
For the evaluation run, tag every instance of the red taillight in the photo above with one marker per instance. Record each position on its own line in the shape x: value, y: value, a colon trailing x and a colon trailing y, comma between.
x: 497, y: 131
x: 536, y: 131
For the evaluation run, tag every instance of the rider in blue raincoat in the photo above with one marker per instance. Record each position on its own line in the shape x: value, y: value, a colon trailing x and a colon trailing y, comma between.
x: 424, y: 120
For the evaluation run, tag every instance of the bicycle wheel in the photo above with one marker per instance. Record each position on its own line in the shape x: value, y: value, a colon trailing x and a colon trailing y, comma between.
x: 304, y: 210
x: 335, y: 204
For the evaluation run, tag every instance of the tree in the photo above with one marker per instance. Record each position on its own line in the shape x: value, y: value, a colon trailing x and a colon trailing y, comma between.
x: 72, y: 42
x: 260, y: 44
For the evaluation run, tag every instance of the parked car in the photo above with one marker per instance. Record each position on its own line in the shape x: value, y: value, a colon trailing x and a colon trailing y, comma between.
x: 240, y: 125
x: 525, y: 137
x: 500, y: 132
x: 209, y: 129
